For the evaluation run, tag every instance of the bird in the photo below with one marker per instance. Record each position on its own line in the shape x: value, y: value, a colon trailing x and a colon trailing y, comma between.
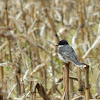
x: 67, y: 54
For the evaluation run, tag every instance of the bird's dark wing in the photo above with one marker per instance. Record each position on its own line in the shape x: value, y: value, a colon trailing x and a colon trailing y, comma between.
x: 67, y: 52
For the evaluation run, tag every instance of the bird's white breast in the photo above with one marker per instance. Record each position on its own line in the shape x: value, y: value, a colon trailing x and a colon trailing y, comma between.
x: 64, y: 60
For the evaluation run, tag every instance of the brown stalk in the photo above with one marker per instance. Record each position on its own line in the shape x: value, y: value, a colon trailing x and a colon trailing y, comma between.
x: 1, y: 69
x: 6, y: 13
x: 81, y: 19
x: 5, y: 88
x: 83, y: 5
x: 22, y: 87
x: 6, y: 28
x: 66, y: 81
x: 33, y: 92
x: 18, y: 77
x: 87, y: 90
x: 79, y: 74
x: 37, y: 69
x: 42, y: 92
x: 45, y: 77
x: 80, y: 82
x: 6, y: 23
x: 23, y: 16
x: 71, y: 83
x: 53, y: 83
x: 57, y: 83
x: 1, y: 96
x: 1, y: 75
x: 45, y: 72
x: 50, y: 21
x: 31, y: 58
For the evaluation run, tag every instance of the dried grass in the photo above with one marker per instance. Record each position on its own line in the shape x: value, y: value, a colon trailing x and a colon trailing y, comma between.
x: 29, y: 30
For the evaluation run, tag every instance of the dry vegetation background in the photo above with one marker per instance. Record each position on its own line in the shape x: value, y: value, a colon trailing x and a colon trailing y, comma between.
x: 29, y: 30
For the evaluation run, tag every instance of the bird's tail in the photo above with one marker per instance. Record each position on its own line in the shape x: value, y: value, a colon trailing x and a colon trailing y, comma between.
x: 80, y: 64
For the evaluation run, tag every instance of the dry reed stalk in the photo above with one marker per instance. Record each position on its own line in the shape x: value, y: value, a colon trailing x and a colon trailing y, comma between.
x: 18, y: 77
x: 1, y: 69
x: 45, y: 72
x: 33, y: 93
x: 10, y: 92
x: 81, y: 18
x: 45, y: 77
x: 50, y: 21
x: 78, y: 98
x: 66, y: 81
x: 42, y: 92
x: 2, y: 46
x: 30, y: 54
x: 1, y: 96
x: 88, y: 34
x: 85, y: 18
x: 22, y: 87
x: 6, y: 13
x: 6, y: 23
x: 38, y: 54
x: 71, y: 83
x: 6, y: 28
x: 23, y: 16
x: 53, y: 74
x: 1, y: 76
x: 1, y: 73
x: 94, y: 45
x: 84, y: 9
x: 49, y: 92
x: 38, y: 68
x: 79, y: 73
x: 82, y: 23
x: 80, y: 82
x: 87, y: 90
x: 62, y: 16
x: 5, y: 88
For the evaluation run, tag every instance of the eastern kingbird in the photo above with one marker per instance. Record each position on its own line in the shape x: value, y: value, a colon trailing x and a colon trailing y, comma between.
x: 67, y: 54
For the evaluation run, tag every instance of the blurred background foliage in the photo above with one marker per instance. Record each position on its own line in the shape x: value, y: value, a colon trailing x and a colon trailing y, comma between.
x: 29, y: 30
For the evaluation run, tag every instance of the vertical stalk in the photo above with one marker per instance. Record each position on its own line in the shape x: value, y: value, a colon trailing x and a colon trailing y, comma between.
x: 66, y: 81
x: 71, y: 84
x: 45, y: 73
x: 5, y: 87
x: 31, y: 83
x: 53, y: 83
x: 79, y: 82
x: 34, y: 95
x: 81, y: 18
x: 1, y: 73
x: 1, y: 69
x: 79, y: 73
x: 83, y: 5
x: 22, y: 87
x: 18, y: 77
x: 6, y: 23
x: 31, y: 58
x: 45, y: 78
x: 33, y: 92
x: 50, y: 21
x: 6, y: 13
x: 87, y: 92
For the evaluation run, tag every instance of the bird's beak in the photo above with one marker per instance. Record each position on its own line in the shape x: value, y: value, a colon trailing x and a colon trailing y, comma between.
x: 56, y: 45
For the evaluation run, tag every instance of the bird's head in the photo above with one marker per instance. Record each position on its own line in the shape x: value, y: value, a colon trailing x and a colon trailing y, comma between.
x: 62, y: 42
